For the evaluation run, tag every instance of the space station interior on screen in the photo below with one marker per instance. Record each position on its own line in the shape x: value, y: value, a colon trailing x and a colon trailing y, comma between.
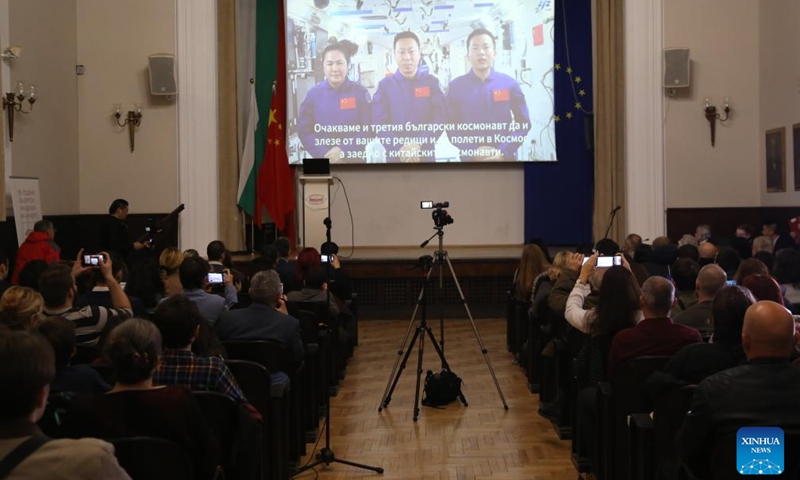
x: 408, y: 81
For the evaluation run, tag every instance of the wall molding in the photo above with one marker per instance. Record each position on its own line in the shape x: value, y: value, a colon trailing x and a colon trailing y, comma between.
x: 644, y: 106
x: 197, y: 121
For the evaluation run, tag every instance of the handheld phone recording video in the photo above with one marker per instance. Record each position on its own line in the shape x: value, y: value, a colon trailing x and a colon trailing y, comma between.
x: 325, y: 258
x: 608, y: 261
x: 216, y: 278
x: 92, y: 260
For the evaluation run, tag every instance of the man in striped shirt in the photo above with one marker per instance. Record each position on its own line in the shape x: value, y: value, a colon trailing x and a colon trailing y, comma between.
x: 92, y: 322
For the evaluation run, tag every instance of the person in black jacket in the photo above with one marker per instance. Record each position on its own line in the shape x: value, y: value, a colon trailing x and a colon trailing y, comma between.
x: 765, y: 391
x: 115, y: 235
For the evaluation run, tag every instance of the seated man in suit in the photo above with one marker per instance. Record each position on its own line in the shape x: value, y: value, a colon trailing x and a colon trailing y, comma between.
x: 286, y: 269
x: 655, y: 334
x: 763, y: 392
x: 27, y: 362
x: 710, y: 281
x: 265, y: 319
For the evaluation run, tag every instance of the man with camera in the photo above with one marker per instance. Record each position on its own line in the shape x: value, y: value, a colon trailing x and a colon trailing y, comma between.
x: 196, y: 276
x: 93, y: 322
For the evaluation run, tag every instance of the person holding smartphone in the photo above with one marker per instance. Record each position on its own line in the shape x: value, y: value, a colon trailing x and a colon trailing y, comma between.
x: 194, y: 277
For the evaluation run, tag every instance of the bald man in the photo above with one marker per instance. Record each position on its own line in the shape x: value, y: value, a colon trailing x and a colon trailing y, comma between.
x: 708, y: 252
x: 763, y: 392
x: 656, y: 334
x: 710, y: 281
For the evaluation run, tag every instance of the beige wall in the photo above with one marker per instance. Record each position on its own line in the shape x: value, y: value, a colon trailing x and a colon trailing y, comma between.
x: 723, y: 38
x: 779, y: 66
x: 46, y: 141
x: 114, y: 41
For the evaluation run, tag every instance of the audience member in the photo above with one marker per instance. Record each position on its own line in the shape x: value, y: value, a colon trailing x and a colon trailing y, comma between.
x: 765, y: 391
x: 81, y: 379
x: 265, y: 319
x: 27, y: 362
x: 688, y: 251
x: 337, y: 276
x: 539, y: 242
x: 190, y: 252
x: 286, y: 269
x: 307, y: 259
x: 57, y: 286
x: 38, y: 245
x: 697, y: 361
x: 631, y: 243
x: 702, y: 233
x: 655, y: 334
x: 267, y: 259
x: 144, y: 281
x: 557, y: 300
x: 762, y: 244
x: 786, y: 271
x: 4, y: 272
x: 180, y: 323
x: 662, y: 256
x: 684, y: 276
x: 29, y: 276
x: 607, y: 247
x: 707, y: 252
x: 194, y: 278
x: 315, y: 289
x: 169, y: 265
x: 764, y: 287
x: 710, y: 280
x: 779, y: 242
x: 531, y: 265
x: 20, y: 308
x: 216, y: 253
x: 745, y: 231
x: 642, y: 254
x: 135, y: 407
x: 100, y: 295
x: 751, y: 266
x: 728, y: 260
x: 688, y: 239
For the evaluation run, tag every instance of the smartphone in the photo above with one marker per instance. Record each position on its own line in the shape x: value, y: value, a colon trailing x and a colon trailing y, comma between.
x: 730, y: 283
x: 608, y: 261
x: 281, y: 289
x: 325, y: 258
x: 92, y: 260
x: 216, y: 278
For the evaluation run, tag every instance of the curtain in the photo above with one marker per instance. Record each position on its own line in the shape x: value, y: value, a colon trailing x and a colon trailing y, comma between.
x: 609, y: 107
x: 230, y: 218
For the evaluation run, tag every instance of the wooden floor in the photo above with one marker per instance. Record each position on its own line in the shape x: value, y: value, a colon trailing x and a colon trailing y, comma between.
x: 479, y: 441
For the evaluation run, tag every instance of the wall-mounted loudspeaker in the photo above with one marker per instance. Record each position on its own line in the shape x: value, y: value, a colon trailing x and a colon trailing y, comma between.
x: 676, y: 68
x: 162, y: 74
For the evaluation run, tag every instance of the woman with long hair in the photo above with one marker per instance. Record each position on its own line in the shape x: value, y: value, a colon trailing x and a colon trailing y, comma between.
x: 532, y: 264
x: 20, y: 308
x: 169, y: 263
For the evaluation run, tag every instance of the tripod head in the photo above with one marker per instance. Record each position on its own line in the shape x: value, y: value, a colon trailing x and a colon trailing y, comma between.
x: 439, y: 215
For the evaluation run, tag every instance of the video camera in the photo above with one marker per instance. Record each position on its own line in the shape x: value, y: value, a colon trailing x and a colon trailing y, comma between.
x: 439, y: 214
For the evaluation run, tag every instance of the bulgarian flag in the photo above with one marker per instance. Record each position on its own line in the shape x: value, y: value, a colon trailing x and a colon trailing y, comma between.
x: 265, y: 178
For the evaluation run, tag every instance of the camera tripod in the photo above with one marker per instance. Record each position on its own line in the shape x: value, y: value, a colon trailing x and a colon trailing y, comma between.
x: 440, y: 258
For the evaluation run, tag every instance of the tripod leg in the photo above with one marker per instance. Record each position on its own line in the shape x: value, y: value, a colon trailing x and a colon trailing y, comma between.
x: 420, y: 298
x: 419, y: 369
x: 393, y: 382
x: 445, y: 364
x: 484, y: 351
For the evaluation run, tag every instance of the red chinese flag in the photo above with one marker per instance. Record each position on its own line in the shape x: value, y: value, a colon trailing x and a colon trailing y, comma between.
x: 538, y: 35
x: 275, y: 181
x: 422, y: 92
x: 347, y: 103
x: 500, y: 95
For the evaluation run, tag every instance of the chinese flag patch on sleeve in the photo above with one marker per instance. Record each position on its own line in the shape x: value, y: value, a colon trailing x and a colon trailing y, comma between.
x: 500, y: 95
x: 422, y: 92
x: 347, y: 103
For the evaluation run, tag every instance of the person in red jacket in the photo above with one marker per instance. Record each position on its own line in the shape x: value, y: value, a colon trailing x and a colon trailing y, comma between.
x: 39, y: 245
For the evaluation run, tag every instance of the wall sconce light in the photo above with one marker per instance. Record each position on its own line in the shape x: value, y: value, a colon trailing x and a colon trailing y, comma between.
x: 133, y: 120
x: 712, y: 116
x: 13, y: 102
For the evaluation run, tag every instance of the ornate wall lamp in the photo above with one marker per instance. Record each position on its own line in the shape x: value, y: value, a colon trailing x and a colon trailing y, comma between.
x: 13, y: 102
x: 133, y: 120
x: 712, y: 116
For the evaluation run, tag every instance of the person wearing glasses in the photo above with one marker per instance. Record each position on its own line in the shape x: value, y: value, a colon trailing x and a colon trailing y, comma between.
x: 408, y: 109
x: 486, y: 107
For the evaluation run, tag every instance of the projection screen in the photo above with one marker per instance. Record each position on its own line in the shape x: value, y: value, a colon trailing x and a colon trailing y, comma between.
x: 410, y: 81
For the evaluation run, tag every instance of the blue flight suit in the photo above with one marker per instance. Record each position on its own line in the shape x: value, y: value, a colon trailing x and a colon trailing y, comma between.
x: 471, y: 100
x: 418, y: 101
x: 327, y: 106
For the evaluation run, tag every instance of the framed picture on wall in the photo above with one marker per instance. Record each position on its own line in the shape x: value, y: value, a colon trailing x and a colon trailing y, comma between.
x: 796, y: 154
x: 776, y: 159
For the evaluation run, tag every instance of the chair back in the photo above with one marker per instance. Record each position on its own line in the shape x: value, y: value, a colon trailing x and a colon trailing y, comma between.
x: 149, y: 458
x: 54, y: 413
x: 222, y: 415
x: 628, y: 383
x: 271, y: 354
x: 312, y: 316
x: 668, y: 416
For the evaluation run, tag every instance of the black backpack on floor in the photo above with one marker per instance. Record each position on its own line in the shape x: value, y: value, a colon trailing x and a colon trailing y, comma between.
x: 441, y: 388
